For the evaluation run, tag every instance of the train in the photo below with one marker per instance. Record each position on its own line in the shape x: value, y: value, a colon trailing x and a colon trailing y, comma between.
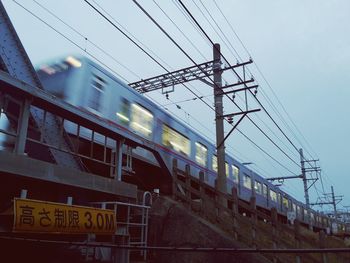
x: 87, y: 85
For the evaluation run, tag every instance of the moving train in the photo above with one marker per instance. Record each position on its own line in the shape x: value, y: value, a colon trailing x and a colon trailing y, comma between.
x: 85, y: 84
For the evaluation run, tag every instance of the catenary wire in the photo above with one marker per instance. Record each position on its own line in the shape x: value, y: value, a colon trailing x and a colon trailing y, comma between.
x: 194, y: 19
x: 189, y: 57
x: 98, y: 60
x: 268, y: 84
x: 225, y: 41
x: 260, y: 148
x: 84, y: 37
x: 68, y: 39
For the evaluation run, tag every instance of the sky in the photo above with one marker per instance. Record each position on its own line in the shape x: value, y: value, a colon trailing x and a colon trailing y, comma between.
x: 301, y: 53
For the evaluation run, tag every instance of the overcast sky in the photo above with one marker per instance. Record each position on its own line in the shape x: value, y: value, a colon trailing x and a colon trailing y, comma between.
x: 302, y: 47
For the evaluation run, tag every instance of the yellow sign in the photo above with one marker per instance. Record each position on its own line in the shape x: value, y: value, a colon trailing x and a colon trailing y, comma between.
x: 47, y: 217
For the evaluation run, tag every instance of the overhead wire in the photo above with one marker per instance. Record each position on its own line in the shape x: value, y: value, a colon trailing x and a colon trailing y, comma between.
x: 192, y: 45
x: 132, y: 35
x: 200, y: 32
x: 269, y: 86
x: 190, y: 58
x: 225, y: 41
x: 228, y: 43
x: 68, y: 39
x: 135, y: 38
x: 183, y: 84
x: 194, y: 19
x: 86, y: 38
x: 77, y: 44
x: 180, y: 30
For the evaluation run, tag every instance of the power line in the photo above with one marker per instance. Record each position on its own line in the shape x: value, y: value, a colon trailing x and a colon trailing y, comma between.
x: 178, y: 28
x: 124, y: 34
x: 194, y: 19
x: 140, y: 43
x: 225, y: 41
x: 84, y: 37
x: 127, y: 31
x: 269, y: 86
x: 85, y: 50
x: 168, y: 72
x: 68, y: 39
x: 229, y: 50
x: 190, y: 58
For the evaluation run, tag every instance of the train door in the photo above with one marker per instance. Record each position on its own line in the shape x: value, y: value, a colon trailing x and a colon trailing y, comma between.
x: 95, y: 94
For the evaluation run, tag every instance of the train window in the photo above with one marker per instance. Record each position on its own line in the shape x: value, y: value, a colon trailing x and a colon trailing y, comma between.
x: 123, y: 113
x: 312, y: 217
x: 324, y: 220
x: 285, y: 202
x: 141, y: 120
x: 201, y: 154
x: 258, y: 187
x: 247, y: 181
x: 279, y: 198
x: 294, y: 207
x: 265, y: 190
x: 96, y: 91
x: 273, y: 196
x: 215, y: 163
x: 235, y: 173
x: 176, y: 141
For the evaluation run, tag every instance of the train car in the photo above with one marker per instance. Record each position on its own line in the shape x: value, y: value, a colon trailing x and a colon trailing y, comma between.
x: 85, y: 84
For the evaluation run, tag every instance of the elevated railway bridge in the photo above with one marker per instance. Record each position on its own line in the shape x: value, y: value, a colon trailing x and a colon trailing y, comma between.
x: 72, y: 184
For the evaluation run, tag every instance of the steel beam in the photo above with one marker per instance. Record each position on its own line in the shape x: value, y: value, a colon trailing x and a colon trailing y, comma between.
x: 22, y: 127
x: 15, y: 61
x: 173, y: 78
x: 39, y: 170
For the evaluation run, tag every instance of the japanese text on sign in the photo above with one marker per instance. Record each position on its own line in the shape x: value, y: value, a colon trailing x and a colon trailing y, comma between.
x: 48, y: 217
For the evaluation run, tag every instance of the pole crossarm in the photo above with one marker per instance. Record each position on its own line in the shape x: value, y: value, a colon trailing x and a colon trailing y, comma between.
x: 322, y: 203
x: 234, y: 127
x: 284, y: 178
x: 314, y: 180
x: 173, y: 78
x: 313, y: 169
x: 183, y: 75
x: 239, y: 83
x: 241, y: 89
x: 238, y: 65
x: 239, y: 113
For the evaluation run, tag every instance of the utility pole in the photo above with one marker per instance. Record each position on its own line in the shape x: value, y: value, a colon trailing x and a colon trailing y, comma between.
x: 335, y: 200
x: 203, y: 72
x: 334, y: 203
x: 219, y: 111
x: 303, y: 174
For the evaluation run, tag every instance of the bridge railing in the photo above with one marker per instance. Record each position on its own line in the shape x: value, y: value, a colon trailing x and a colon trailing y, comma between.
x: 245, y: 222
